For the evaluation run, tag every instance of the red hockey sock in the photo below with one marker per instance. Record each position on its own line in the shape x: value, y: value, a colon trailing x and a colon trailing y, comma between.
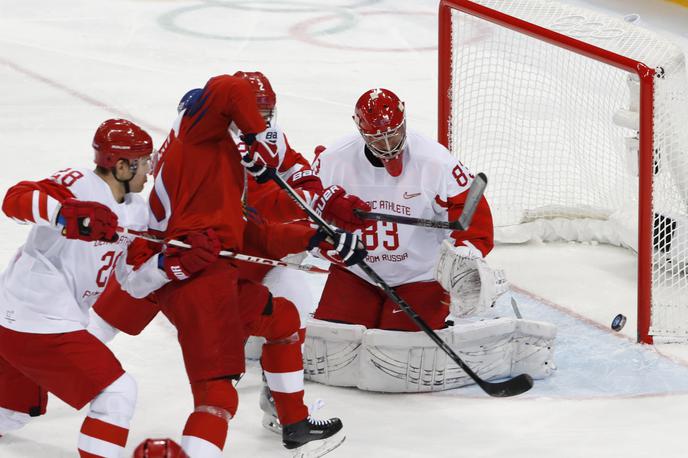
x: 101, y: 439
x: 207, y: 427
x: 282, y: 361
x: 205, y: 432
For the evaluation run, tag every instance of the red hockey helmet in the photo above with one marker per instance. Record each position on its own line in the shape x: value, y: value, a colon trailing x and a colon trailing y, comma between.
x: 265, y: 96
x: 120, y: 139
x: 159, y: 448
x: 381, y: 120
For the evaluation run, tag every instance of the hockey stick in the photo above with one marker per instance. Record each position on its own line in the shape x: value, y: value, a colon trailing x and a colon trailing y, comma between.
x: 512, y: 387
x: 474, y: 194
x: 228, y: 254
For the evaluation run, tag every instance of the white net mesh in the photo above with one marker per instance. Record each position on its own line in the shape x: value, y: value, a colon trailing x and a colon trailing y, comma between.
x: 557, y: 134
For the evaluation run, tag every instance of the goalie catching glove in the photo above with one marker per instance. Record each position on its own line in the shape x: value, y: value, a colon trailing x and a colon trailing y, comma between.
x: 474, y: 286
x: 346, y: 249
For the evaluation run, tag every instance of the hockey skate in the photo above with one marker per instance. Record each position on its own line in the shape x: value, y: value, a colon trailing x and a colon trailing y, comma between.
x: 267, y: 405
x: 311, y: 438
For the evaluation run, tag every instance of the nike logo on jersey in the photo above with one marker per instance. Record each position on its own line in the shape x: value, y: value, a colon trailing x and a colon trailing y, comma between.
x: 397, y: 311
x: 411, y: 196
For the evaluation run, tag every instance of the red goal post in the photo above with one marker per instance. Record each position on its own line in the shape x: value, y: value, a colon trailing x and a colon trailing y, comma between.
x: 494, y: 57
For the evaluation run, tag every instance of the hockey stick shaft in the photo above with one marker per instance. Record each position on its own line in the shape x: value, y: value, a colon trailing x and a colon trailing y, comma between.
x: 227, y: 254
x: 475, y: 192
x: 511, y: 387
x: 453, y: 225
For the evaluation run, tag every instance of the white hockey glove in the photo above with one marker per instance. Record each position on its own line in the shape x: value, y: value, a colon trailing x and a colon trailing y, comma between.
x: 473, y: 285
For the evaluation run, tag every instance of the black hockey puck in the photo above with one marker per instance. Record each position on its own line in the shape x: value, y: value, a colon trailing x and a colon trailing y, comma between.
x: 618, y: 322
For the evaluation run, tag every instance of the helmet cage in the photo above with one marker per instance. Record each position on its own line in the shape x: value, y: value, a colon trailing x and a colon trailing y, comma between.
x: 382, y: 144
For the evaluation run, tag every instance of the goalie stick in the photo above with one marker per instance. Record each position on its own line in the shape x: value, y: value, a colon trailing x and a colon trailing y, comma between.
x: 475, y: 192
x: 228, y: 254
x: 511, y: 387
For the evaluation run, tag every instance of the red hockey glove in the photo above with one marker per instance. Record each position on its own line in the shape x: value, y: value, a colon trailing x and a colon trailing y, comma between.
x: 335, y: 205
x: 259, y: 158
x: 306, y: 180
x: 346, y: 249
x: 87, y: 221
x: 182, y: 263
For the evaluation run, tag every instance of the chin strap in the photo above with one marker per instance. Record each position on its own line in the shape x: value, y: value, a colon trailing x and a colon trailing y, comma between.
x: 133, y: 167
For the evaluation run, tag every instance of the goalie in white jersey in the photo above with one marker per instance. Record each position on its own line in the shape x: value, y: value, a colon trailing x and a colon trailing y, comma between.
x: 407, y: 174
x: 56, y: 276
x: 353, y: 340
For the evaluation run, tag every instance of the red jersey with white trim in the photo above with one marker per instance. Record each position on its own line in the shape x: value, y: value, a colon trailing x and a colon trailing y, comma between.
x: 51, y: 282
x: 199, y: 180
x: 433, y: 185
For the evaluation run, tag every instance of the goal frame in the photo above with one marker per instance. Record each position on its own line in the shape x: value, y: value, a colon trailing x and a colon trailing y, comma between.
x: 646, y: 76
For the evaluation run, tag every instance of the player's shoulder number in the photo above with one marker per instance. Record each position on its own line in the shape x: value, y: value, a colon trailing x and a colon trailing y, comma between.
x: 67, y: 177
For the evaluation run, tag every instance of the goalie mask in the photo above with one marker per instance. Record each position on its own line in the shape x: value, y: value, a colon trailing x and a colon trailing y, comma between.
x: 265, y: 96
x: 381, y: 120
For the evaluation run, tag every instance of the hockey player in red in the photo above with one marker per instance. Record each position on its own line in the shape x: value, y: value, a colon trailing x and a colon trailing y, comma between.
x: 199, y: 186
x: 278, y: 320
x: 55, y: 277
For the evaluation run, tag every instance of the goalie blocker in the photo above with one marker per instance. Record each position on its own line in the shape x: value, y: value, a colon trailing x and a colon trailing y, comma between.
x: 409, y: 362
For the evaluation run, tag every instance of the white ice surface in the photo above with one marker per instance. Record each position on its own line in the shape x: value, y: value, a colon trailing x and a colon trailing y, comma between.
x: 66, y: 66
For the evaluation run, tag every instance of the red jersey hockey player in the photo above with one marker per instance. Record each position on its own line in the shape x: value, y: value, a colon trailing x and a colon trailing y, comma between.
x: 274, y: 205
x: 54, y: 279
x: 198, y: 188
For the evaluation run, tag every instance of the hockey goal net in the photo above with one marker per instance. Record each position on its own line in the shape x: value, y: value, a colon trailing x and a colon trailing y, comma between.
x: 580, y: 120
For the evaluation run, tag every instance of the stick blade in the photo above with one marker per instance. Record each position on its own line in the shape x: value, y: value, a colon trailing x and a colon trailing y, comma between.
x: 475, y: 193
x: 512, y: 387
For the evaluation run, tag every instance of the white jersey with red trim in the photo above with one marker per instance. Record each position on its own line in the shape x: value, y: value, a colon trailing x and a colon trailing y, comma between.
x: 431, y: 176
x: 51, y: 282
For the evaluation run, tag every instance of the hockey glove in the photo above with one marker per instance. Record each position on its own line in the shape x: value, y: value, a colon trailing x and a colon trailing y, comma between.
x: 336, y: 206
x: 259, y: 158
x: 182, y: 263
x: 473, y: 285
x: 87, y: 221
x: 306, y: 180
x: 346, y: 249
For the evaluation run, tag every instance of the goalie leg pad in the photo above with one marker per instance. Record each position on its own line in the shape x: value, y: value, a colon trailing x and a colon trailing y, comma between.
x: 407, y: 362
x: 330, y: 354
x: 533, y: 349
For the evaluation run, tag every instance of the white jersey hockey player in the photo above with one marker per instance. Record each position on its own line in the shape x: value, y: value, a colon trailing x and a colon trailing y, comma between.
x: 55, y: 277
